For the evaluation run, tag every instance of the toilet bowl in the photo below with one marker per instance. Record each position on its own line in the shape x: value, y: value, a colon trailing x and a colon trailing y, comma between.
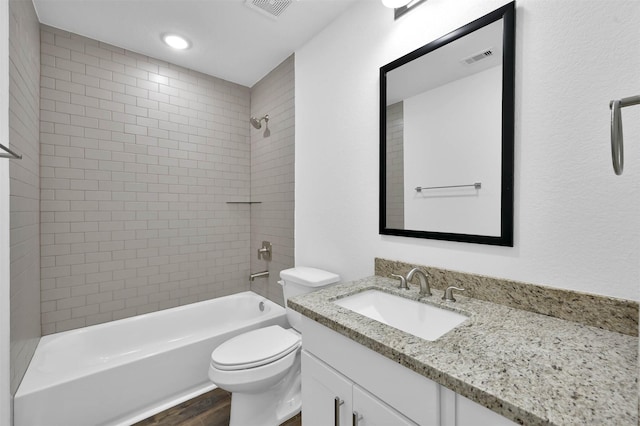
x: 261, y: 368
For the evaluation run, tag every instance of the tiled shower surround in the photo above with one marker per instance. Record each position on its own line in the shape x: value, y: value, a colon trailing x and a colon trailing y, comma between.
x: 24, y: 97
x: 272, y: 177
x: 138, y: 160
x: 395, y: 166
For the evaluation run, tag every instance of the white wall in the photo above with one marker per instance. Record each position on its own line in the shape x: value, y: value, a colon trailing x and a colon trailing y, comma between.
x: 576, y: 224
x: 451, y: 138
x: 5, y: 395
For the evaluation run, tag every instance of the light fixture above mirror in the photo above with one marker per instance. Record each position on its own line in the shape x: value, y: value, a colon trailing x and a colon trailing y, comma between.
x: 400, y: 7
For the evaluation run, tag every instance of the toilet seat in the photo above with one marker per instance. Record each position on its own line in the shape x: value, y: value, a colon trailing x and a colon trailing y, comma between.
x: 255, y: 348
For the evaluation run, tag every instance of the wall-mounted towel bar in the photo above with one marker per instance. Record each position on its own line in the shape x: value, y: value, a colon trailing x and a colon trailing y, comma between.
x: 10, y: 154
x: 617, y: 144
x: 476, y: 185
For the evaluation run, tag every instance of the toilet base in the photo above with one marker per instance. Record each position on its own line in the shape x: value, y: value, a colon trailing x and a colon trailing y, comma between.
x: 271, y: 406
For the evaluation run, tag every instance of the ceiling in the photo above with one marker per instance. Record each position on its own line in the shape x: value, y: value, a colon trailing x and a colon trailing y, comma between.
x: 446, y: 64
x: 228, y: 39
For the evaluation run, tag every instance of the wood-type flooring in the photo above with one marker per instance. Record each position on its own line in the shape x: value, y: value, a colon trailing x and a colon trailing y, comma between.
x: 209, y: 409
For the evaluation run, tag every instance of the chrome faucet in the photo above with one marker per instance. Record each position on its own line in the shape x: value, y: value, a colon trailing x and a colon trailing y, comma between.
x: 425, y: 289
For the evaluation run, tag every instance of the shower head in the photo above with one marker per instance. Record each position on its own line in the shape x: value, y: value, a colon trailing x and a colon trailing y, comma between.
x: 257, y: 123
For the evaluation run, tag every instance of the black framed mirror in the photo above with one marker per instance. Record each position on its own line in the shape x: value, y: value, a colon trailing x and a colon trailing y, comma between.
x: 447, y: 136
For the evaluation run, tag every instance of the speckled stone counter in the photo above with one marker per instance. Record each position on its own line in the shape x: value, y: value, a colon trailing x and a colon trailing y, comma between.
x: 531, y: 368
x: 599, y: 311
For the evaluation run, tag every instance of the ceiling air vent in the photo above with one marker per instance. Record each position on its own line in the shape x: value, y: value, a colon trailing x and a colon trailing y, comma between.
x: 271, y: 8
x: 478, y: 57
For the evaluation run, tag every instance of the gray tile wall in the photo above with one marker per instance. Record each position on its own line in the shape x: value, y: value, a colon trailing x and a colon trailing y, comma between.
x: 24, y: 98
x: 139, y: 157
x: 272, y: 176
x: 395, y: 166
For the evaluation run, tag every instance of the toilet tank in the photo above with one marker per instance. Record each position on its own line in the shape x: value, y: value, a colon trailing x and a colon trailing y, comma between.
x: 301, y: 280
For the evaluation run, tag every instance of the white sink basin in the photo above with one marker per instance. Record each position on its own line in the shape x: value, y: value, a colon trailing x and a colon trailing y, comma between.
x: 419, y: 319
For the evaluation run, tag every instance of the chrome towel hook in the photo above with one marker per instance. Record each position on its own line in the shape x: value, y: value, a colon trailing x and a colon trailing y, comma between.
x: 617, y: 140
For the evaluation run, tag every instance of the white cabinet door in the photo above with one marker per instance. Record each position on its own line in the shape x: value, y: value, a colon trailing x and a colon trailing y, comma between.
x: 370, y: 411
x: 321, y: 386
x: 469, y: 413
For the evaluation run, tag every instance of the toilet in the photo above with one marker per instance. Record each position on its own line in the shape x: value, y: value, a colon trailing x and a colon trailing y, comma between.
x: 261, y: 368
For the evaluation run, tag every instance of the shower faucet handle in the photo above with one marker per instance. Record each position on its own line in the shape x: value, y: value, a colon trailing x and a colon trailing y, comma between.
x: 264, y: 253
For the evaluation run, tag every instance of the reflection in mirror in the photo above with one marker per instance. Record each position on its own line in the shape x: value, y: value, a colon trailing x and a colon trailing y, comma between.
x: 447, y: 136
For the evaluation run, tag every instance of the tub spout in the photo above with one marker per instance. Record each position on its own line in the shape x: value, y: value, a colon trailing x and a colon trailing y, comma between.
x: 259, y: 275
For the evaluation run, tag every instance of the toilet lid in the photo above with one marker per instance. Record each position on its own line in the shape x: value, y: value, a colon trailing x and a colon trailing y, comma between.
x: 255, y: 348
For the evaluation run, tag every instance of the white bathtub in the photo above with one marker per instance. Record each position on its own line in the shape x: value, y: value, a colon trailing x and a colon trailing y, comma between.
x: 124, y: 371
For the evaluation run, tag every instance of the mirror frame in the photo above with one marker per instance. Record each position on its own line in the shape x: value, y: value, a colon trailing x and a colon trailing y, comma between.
x: 506, y: 12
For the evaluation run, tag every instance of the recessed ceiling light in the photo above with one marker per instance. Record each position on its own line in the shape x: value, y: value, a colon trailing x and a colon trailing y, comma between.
x: 175, y: 41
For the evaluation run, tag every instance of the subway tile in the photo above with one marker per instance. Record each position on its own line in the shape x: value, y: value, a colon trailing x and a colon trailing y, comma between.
x: 149, y: 64
x: 56, y: 316
x: 137, y: 92
x: 70, y: 324
x: 135, y: 129
x: 72, y: 280
x: 55, y: 51
x: 95, y: 92
x: 123, y: 59
x: 111, y: 306
x: 111, y: 105
x: 97, y: 52
x: 111, y: 66
x: 73, y: 44
x: 71, y: 302
x: 68, y: 238
x: 67, y: 86
x: 55, y: 95
x: 124, y: 79
x: 137, y: 111
x: 112, y: 86
x: 68, y: 108
x: 136, y: 72
x: 124, y: 99
x: 98, y: 318
x: 99, y: 297
x: 86, y: 122
x: 87, y: 248
x: 152, y: 162
x: 159, y: 97
x: 82, y: 100
x: 55, y: 73
x: 83, y: 311
x: 99, y: 277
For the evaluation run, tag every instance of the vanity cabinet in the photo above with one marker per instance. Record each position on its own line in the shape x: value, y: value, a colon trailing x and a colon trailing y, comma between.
x: 332, y: 399
x: 381, y: 391
x: 326, y: 394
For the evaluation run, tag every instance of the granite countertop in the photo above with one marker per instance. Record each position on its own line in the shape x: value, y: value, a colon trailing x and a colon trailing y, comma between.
x: 531, y: 368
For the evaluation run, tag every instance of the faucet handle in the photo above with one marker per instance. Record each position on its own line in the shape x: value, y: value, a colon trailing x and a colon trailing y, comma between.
x: 403, y: 281
x: 448, y: 294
